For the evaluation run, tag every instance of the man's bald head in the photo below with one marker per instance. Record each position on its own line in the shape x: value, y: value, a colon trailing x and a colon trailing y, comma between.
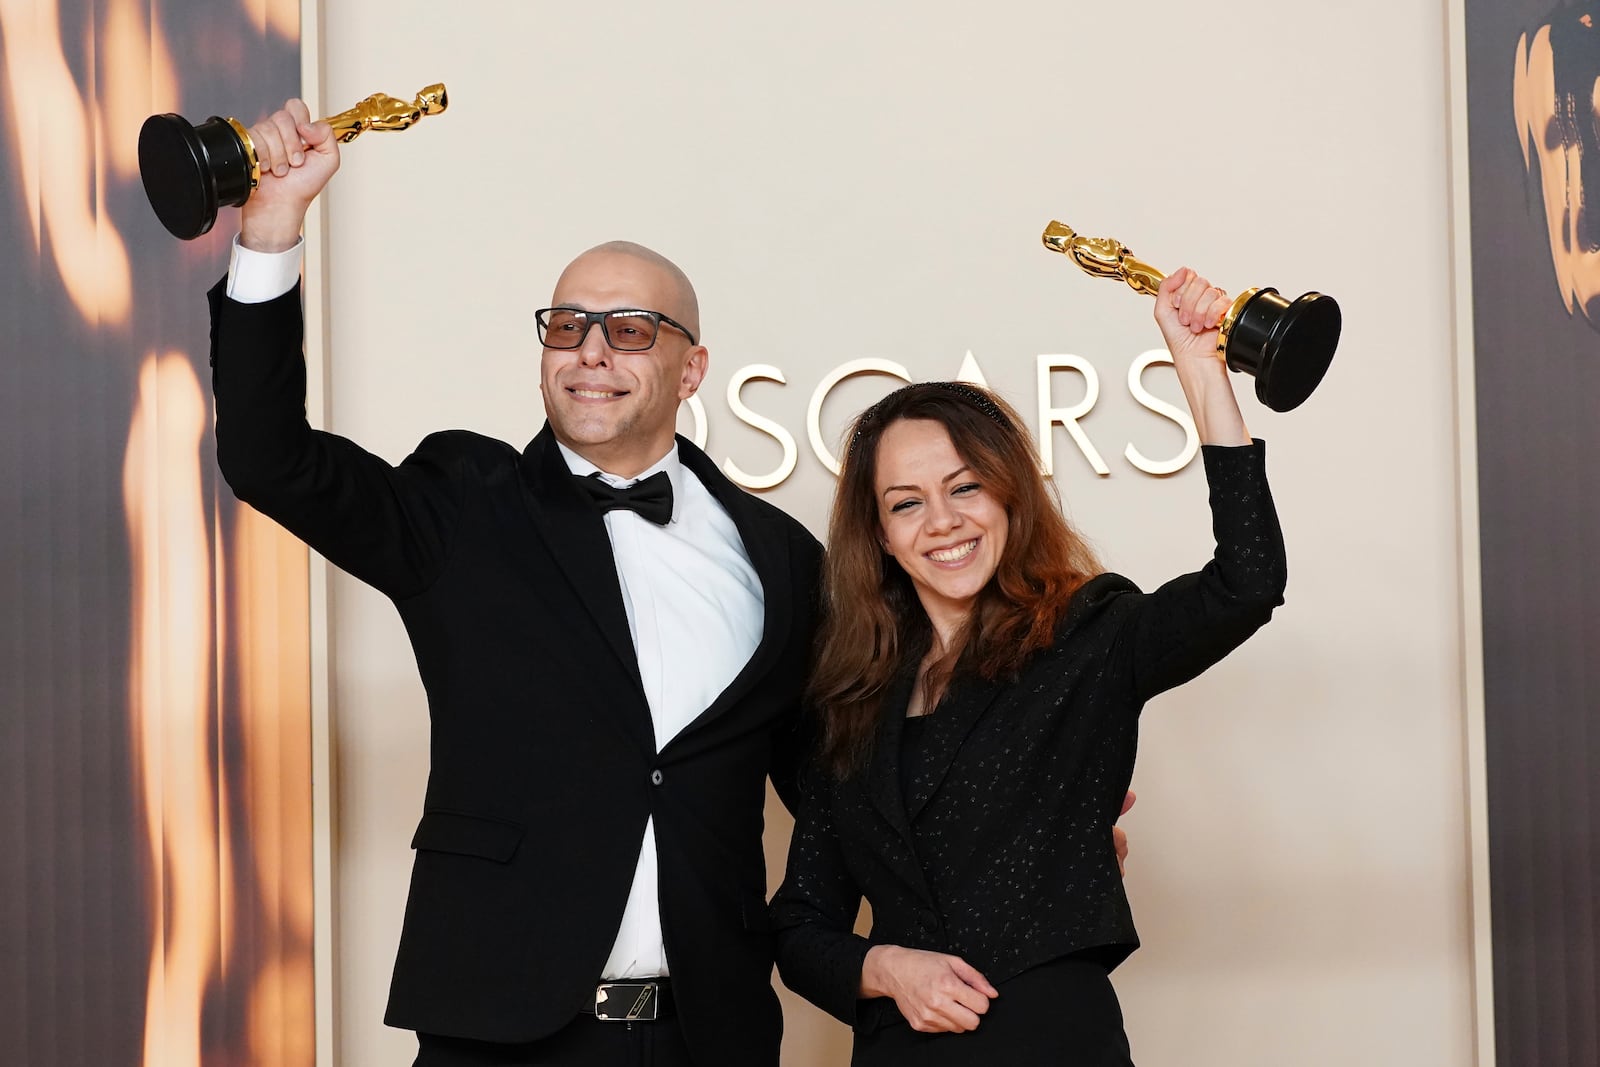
x: 618, y: 408
x: 685, y: 306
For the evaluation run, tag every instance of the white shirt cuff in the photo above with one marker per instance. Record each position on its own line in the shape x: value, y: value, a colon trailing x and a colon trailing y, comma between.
x: 256, y: 277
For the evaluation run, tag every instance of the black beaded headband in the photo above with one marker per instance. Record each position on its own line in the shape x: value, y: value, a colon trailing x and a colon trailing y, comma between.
x: 978, y: 398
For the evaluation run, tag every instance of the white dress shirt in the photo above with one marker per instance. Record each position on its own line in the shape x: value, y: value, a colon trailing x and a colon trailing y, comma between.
x: 694, y: 605
x: 694, y: 608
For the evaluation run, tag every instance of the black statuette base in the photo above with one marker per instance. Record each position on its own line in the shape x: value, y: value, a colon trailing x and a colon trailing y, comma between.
x: 1286, y: 346
x: 190, y: 172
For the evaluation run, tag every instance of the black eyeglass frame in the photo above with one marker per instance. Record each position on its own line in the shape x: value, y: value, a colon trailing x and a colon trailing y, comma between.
x: 604, y: 320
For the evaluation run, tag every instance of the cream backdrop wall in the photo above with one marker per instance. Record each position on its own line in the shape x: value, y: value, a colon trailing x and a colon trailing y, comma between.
x: 849, y: 181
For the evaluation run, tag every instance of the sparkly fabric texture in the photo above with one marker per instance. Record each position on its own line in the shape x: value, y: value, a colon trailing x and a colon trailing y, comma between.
x: 997, y: 845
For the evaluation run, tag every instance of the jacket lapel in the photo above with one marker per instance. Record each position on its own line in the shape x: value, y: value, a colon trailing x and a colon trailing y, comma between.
x: 575, y: 532
x: 963, y: 705
x: 969, y: 697
x: 883, y: 773
x: 766, y: 542
x: 883, y: 780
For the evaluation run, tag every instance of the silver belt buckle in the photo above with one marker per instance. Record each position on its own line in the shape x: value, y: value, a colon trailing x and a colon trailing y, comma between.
x: 626, y: 1002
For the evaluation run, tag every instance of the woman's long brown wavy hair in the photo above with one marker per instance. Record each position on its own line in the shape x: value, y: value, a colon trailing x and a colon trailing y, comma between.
x: 873, y: 624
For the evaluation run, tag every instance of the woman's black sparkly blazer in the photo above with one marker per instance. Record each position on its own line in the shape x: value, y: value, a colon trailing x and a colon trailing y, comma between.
x: 1000, y: 850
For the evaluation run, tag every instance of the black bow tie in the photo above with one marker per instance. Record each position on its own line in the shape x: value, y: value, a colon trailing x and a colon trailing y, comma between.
x: 651, y: 498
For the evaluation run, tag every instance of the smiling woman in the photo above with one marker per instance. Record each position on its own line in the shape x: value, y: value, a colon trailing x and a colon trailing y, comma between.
x: 936, y: 477
x: 979, y: 683
x: 944, y: 527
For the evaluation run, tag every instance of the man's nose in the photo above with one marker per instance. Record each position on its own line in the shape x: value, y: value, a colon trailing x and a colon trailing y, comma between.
x: 594, y: 352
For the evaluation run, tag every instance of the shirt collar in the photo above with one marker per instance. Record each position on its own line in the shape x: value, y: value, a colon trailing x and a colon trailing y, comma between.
x: 669, y: 463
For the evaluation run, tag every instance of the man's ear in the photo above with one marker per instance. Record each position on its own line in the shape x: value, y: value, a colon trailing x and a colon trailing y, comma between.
x: 695, y: 363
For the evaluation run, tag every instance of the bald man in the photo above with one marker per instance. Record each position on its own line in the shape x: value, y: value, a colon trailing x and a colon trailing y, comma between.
x: 612, y: 637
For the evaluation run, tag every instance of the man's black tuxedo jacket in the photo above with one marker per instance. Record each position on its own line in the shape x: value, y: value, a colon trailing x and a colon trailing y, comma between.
x: 544, y: 767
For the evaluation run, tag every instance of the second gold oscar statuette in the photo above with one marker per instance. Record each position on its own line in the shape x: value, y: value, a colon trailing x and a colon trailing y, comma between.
x: 1285, y: 345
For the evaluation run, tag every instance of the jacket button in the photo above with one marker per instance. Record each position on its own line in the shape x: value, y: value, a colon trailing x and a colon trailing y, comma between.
x: 655, y: 777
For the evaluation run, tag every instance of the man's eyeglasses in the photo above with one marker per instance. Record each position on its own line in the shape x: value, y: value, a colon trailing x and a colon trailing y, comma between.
x: 626, y: 329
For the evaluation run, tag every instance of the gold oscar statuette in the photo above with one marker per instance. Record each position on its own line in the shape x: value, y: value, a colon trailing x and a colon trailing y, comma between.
x: 1285, y: 345
x: 190, y: 172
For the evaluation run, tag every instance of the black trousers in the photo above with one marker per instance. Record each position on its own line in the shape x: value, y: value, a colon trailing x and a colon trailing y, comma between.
x: 584, y: 1042
x: 1059, y: 1014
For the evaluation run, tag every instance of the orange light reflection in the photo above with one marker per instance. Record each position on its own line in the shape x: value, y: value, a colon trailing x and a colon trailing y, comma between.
x: 53, y: 141
x: 170, y: 698
x: 219, y: 681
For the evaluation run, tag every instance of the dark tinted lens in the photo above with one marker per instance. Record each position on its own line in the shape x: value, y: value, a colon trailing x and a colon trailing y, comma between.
x: 630, y: 331
x: 564, y: 328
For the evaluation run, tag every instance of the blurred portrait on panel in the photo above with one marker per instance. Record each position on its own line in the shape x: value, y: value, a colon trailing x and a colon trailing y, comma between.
x: 1556, y: 101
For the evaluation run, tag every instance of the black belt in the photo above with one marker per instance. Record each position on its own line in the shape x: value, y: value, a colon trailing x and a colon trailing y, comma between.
x: 639, y: 1000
